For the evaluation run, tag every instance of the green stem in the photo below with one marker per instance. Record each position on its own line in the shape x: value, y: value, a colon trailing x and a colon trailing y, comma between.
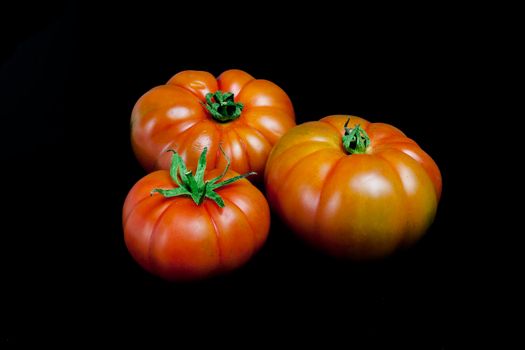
x: 356, y: 140
x: 194, y: 186
x: 222, y: 106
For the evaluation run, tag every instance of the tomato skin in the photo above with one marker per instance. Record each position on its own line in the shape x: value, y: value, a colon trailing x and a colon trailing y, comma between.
x: 172, y: 116
x: 178, y: 240
x: 359, y: 206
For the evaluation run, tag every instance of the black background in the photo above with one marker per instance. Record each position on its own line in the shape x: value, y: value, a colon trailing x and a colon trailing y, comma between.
x: 69, y: 78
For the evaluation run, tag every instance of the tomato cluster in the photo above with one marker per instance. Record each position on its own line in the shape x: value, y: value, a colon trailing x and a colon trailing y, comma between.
x: 351, y: 188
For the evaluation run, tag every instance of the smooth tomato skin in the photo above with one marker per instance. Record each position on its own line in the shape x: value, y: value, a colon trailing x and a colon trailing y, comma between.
x: 178, y: 240
x: 172, y: 116
x: 360, y: 206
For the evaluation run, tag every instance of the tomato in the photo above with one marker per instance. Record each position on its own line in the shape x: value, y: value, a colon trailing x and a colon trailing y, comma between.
x: 194, y: 110
x: 355, y: 192
x: 181, y: 226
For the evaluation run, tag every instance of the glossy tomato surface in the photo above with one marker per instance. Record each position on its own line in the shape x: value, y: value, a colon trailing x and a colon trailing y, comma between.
x: 357, y: 206
x: 174, y: 116
x: 176, y: 239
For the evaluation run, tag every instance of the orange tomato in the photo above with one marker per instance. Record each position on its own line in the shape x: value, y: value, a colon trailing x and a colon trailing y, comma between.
x: 194, y: 110
x: 186, y: 227
x: 353, y: 192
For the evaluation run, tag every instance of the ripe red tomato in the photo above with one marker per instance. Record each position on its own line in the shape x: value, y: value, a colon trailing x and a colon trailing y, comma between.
x: 194, y: 110
x: 181, y: 226
x: 358, y: 192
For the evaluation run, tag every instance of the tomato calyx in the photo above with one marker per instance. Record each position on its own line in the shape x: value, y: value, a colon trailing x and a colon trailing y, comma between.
x: 222, y: 106
x: 194, y: 185
x: 355, y: 140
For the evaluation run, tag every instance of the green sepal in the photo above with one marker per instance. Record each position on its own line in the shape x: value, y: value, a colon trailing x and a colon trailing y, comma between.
x: 222, y: 106
x: 231, y: 180
x: 215, y: 197
x: 355, y: 140
x: 194, y: 186
x: 172, y: 192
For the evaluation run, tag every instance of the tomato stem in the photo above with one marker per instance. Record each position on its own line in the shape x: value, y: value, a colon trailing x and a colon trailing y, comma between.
x: 194, y: 186
x: 356, y: 140
x: 222, y: 106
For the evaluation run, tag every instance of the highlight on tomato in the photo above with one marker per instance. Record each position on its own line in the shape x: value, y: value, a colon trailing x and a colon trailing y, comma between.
x: 195, y: 110
x: 184, y: 226
x: 352, y: 188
